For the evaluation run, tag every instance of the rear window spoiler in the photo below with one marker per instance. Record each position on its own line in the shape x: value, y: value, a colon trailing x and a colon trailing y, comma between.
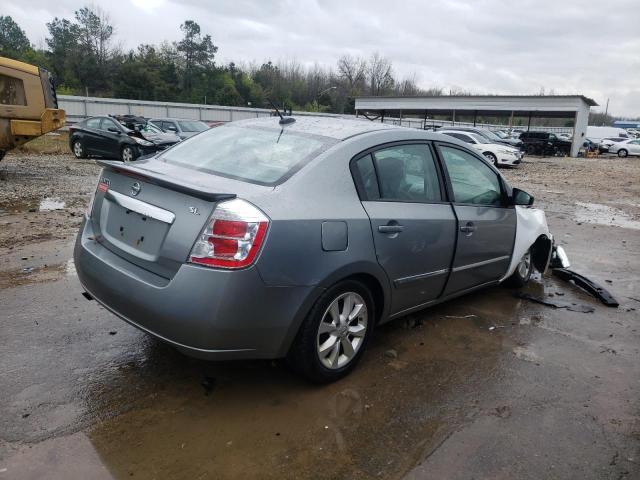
x: 197, y: 191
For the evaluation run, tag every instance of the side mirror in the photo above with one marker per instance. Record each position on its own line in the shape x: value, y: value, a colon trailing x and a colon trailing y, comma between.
x: 113, y: 130
x: 520, y: 197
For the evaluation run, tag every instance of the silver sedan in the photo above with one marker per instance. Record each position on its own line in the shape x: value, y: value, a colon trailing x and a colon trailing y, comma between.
x: 294, y: 238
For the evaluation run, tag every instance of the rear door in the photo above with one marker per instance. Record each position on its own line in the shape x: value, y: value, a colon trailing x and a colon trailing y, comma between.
x: 487, y: 227
x: 414, y: 229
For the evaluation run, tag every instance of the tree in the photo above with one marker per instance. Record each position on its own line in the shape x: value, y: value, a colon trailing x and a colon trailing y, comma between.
x: 353, y: 71
x: 95, y: 32
x: 91, y: 62
x: 13, y: 41
x: 198, y: 52
x: 380, y: 74
x: 63, y: 49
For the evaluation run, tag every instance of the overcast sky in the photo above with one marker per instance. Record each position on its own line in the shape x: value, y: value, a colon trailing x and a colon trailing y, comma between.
x: 589, y: 47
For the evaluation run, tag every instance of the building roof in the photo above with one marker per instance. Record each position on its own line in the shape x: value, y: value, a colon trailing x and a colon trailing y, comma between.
x: 587, y: 100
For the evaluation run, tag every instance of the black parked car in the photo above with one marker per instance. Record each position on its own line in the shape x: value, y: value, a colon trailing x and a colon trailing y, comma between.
x: 125, y: 138
x: 544, y: 143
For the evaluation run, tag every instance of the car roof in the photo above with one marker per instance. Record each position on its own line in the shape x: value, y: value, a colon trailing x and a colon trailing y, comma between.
x: 338, y: 128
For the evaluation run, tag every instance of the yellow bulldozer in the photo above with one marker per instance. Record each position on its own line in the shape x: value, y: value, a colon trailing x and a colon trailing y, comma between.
x: 28, y: 104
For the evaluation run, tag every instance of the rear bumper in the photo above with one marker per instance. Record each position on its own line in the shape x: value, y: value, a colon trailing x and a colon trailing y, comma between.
x: 205, y: 313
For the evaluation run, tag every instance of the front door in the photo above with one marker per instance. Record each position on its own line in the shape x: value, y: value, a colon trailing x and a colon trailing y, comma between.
x: 413, y: 227
x: 110, y: 138
x: 486, y: 226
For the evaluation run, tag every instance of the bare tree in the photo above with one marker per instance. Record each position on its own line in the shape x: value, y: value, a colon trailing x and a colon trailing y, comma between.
x: 353, y: 71
x: 380, y: 74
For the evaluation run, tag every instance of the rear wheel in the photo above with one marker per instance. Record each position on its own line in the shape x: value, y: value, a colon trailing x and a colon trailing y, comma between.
x: 491, y: 157
x: 128, y: 153
x: 622, y: 153
x: 523, y: 272
x: 334, y: 335
x: 530, y: 149
x: 78, y: 149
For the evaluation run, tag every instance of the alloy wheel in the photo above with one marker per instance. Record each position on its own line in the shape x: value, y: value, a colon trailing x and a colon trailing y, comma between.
x: 342, y: 330
x: 127, y: 154
x: 525, y: 265
x: 77, y: 149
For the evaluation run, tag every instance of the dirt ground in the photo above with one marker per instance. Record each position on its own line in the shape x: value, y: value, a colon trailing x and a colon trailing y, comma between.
x: 487, y: 386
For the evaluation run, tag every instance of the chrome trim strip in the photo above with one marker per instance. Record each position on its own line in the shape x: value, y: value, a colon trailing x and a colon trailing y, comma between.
x: 416, y: 278
x: 140, y: 207
x: 480, y: 264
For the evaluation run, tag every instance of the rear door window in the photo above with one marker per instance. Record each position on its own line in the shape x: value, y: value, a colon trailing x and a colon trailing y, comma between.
x: 264, y: 156
x: 405, y: 173
x: 472, y: 180
x: 367, y: 177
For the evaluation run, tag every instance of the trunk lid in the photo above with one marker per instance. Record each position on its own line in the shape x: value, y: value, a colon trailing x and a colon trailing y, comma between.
x: 151, y: 213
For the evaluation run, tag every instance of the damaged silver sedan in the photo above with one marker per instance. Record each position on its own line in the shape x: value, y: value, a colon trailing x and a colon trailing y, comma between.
x: 294, y: 238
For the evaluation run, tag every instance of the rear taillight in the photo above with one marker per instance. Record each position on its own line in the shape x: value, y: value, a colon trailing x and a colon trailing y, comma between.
x: 103, y: 186
x: 232, y: 237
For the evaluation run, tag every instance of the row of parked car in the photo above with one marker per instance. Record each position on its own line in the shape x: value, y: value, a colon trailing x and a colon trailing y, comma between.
x: 127, y: 137
x: 507, y: 147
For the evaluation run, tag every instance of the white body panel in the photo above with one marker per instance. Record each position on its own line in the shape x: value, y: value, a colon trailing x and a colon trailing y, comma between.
x: 531, y: 223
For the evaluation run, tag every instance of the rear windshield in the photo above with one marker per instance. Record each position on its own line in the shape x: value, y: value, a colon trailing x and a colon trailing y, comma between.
x: 255, y: 155
x: 187, y: 126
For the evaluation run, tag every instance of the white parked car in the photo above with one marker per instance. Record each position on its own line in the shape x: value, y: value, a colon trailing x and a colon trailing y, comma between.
x: 606, y: 143
x: 498, y: 154
x: 628, y: 147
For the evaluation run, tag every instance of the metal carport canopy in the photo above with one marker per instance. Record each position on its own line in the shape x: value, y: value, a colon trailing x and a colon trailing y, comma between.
x: 562, y: 106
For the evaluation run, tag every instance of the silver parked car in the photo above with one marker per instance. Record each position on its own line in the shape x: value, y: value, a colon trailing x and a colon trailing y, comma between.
x: 267, y: 238
x: 182, y: 127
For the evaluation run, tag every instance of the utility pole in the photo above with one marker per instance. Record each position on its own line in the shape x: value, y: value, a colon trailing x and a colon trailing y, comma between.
x: 606, y: 111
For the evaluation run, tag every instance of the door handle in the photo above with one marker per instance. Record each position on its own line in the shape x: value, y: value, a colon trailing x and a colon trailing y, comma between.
x: 469, y: 228
x: 390, y: 228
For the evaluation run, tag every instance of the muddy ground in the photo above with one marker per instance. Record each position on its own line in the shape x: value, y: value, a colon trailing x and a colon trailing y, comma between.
x: 487, y: 386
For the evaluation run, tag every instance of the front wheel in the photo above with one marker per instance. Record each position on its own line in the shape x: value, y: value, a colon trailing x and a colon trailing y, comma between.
x: 523, y: 272
x: 78, y: 149
x: 491, y: 157
x: 128, y: 153
x: 622, y: 153
x: 333, y: 337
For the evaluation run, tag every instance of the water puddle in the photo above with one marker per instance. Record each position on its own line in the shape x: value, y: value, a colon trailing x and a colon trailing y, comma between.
x: 47, y: 204
x: 30, y: 204
x: 604, y: 215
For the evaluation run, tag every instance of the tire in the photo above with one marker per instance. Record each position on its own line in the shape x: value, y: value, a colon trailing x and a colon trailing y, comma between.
x: 492, y: 158
x: 622, y: 153
x: 128, y: 153
x: 530, y: 149
x: 78, y: 149
x: 523, y: 272
x: 319, y: 332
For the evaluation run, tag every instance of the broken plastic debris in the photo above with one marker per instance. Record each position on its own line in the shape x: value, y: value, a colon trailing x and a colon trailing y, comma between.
x: 574, y: 307
x: 460, y: 316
